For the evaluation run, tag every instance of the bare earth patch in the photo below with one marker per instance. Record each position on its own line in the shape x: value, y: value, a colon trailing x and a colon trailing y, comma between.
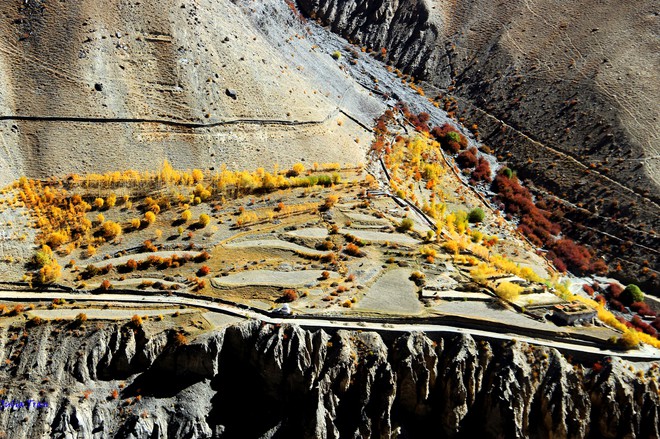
x: 312, y: 232
x: 142, y: 256
x: 278, y: 245
x: 291, y: 279
x: 393, y: 292
x: 367, y: 235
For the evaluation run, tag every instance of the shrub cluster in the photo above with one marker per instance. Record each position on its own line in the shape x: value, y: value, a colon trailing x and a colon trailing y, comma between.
x: 536, y: 225
x: 449, y: 138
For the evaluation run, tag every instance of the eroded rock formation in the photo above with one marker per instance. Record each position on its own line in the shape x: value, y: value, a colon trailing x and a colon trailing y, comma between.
x: 256, y: 380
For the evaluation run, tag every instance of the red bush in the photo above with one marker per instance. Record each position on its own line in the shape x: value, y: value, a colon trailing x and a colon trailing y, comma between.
x: 467, y: 159
x: 642, y: 309
x: 203, y: 270
x: 624, y: 321
x: 615, y: 290
x: 616, y: 305
x: 450, y: 142
x: 576, y: 257
x: 656, y: 323
x: 482, y: 171
x: 643, y: 326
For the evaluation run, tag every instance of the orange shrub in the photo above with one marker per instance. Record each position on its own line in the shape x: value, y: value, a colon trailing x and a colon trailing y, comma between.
x: 289, y: 295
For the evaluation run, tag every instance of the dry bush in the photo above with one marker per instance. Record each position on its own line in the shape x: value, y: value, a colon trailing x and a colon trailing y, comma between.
x: 179, y: 339
x: 56, y: 239
x: 428, y: 251
x: 80, y: 319
x: 34, y: 321
x: 202, y: 256
x: 186, y: 215
x: 16, y: 310
x: 418, y: 277
x: 353, y: 250
x: 326, y: 244
x: 330, y: 201
x: 405, y: 225
x: 148, y: 246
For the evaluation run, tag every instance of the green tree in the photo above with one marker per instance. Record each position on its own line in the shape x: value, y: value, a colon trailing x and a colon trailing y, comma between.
x: 631, y: 294
x: 476, y: 215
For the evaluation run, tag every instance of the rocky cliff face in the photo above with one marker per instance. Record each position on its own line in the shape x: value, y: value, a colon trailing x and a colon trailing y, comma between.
x: 254, y: 380
x: 564, y: 93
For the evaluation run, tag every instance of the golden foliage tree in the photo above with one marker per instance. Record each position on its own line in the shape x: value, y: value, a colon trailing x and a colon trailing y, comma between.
x: 149, y: 217
x: 508, y: 291
x: 111, y: 229
x: 204, y: 220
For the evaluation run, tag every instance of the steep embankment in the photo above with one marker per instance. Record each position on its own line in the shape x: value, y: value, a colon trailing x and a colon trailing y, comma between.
x: 256, y: 380
x: 565, y: 93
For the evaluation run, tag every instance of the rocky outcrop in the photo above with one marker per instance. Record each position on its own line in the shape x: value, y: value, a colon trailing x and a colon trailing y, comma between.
x: 258, y: 380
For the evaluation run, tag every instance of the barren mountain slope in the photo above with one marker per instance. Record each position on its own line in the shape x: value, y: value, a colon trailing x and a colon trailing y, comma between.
x: 566, y: 93
x: 525, y: 60
x: 95, y: 86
